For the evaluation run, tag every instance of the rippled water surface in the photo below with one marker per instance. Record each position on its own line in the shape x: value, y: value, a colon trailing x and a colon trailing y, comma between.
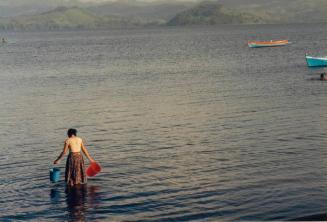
x: 188, y: 124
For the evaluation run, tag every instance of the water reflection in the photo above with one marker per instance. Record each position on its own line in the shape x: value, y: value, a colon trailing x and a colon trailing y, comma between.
x: 55, y: 195
x: 79, y: 200
x: 76, y: 199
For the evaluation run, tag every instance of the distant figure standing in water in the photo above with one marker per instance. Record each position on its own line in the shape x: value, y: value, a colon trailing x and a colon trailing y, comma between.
x: 322, y: 77
x: 75, y: 169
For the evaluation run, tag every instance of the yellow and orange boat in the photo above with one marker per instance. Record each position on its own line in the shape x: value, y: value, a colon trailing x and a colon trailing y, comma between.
x: 258, y: 44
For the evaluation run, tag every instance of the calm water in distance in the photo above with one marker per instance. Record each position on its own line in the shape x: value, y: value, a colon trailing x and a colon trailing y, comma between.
x: 188, y: 124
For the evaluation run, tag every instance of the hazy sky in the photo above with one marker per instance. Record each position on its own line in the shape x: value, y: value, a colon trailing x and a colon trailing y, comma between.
x: 118, y: 0
x: 24, y: 2
x: 13, y: 3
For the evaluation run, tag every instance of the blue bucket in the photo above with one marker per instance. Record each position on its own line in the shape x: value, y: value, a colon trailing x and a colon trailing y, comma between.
x: 55, y: 175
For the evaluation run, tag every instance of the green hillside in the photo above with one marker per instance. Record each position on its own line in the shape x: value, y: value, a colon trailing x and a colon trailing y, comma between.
x: 157, y: 10
x: 132, y: 13
x: 253, y: 11
x: 282, y: 11
x: 211, y: 13
x: 62, y: 18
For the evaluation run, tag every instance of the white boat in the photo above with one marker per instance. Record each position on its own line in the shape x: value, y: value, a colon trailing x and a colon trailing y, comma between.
x: 316, y: 61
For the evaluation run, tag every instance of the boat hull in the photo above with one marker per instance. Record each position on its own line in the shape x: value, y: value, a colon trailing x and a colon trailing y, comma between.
x: 267, y: 44
x: 316, y: 61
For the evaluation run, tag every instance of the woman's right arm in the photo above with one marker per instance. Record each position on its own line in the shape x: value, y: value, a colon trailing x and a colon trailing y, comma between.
x: 86, y: 153
x: 62, y: 153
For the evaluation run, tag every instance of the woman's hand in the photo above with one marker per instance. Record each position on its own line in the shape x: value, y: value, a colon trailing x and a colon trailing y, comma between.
x: 56, y: 162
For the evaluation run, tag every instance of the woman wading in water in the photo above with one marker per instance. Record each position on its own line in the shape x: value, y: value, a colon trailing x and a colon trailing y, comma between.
x: 75, y: 168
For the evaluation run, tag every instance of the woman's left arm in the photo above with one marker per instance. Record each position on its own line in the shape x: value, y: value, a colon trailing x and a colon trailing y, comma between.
x: 86, y: 153
x: 62, y: 153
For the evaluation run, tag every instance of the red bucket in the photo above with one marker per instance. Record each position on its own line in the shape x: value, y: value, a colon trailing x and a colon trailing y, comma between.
x: 93, y: 169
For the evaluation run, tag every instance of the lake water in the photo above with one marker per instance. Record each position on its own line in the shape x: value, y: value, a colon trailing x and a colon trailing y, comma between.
x: 188, y: 124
